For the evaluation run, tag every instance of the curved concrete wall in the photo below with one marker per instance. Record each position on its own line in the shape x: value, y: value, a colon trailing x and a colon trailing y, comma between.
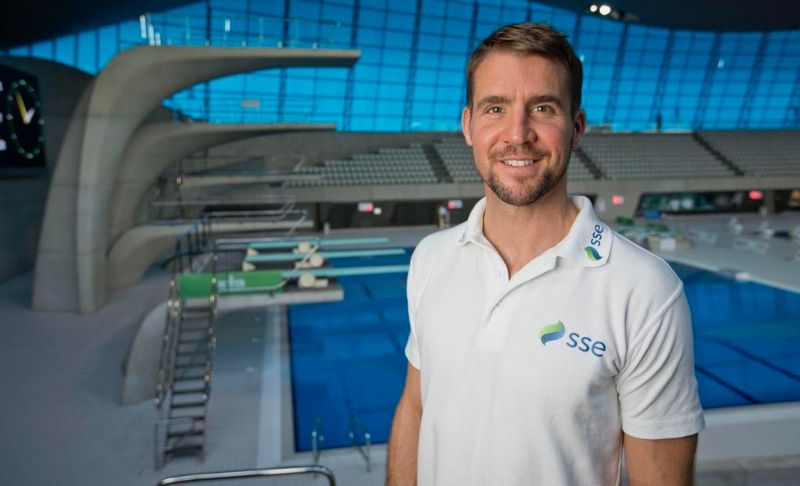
x: 155, y: 146
x: 144, y: 357
x: 132, y: 85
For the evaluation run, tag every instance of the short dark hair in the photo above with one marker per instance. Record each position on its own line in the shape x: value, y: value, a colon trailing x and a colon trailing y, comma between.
x: 528, y: 39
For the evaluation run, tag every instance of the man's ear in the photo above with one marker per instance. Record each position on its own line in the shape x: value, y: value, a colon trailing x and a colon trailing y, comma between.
x: 465, y: 118
x: 579, y: 127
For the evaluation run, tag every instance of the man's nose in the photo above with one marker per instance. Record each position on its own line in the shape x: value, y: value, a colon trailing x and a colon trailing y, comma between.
x: 520, y: 128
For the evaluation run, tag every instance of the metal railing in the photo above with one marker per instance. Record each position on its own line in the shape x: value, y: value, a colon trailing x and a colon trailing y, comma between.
x: 243, y: 164
x: 166, y: 361
x: 358, y: 428
x: 177, y: 209
x: 252, y: 473
x: 317, y: 438
x: 194, y: 250
x: 194, y: 242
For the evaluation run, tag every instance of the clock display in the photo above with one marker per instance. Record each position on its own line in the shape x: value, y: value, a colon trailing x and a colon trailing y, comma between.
x: 22, y: 124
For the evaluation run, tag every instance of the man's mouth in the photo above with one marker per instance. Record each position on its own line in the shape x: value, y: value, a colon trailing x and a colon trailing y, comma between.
x: 518, y: 162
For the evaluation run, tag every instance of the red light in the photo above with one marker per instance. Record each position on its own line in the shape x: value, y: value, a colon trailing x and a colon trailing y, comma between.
x: 366, y: 207
x: 617, y: 200
x: 756, y: 195
x: 455, y: 204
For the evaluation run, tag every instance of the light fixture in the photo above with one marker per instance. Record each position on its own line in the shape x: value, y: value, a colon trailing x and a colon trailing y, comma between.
x: 604, y: 10
x: 593, y: 8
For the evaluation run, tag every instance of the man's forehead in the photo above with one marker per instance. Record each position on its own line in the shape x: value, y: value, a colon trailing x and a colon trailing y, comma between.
x: 501, y: 70
x: 529, y: 63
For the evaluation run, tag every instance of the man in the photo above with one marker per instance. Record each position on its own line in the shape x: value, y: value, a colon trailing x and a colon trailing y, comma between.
x: 540, y: 341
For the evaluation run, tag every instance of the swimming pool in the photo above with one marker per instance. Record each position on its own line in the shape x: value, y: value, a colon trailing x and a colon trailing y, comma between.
x: 347, y: 357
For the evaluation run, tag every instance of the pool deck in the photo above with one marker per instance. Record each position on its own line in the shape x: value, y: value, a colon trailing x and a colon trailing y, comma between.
x: 62, y: 421
x: 778, y: 267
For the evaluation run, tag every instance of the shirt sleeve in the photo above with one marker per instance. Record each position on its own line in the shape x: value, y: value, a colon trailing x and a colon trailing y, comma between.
x: 657, y: 387
x: 412, y: 346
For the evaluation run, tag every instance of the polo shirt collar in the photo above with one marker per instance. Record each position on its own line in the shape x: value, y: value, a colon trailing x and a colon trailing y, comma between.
x: 584, y: 244
x: 589, y: 240
x: 472, y: 230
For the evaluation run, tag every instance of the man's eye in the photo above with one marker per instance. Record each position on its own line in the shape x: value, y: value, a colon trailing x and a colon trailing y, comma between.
x: 494, y: 109
x: 544, y: 109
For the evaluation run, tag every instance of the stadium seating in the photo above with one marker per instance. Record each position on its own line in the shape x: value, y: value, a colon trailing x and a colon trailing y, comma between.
x: 599, y: 156
x: 388, y: 166
x: 759, y: 152
x: 457, y: 157
x: 645, y: 156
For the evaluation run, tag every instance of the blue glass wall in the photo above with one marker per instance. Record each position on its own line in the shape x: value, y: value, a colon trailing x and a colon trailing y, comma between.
x: 410, y: 76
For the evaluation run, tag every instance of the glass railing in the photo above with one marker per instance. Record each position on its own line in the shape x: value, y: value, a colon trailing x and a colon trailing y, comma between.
x: 229, y: 28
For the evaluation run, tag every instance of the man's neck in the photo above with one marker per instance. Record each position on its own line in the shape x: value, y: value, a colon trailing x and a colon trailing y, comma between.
x: 520, y: 234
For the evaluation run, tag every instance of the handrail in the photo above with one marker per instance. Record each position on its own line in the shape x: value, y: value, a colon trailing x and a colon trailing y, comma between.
x: 355, y: 426
x: 251, y: 473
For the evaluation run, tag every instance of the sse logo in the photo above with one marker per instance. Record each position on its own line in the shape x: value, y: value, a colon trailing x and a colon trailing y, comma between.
x: 597, y: 237
x: 554, y: 332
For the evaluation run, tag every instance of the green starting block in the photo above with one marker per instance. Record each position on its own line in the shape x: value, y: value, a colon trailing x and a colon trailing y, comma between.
x: 198, y: 285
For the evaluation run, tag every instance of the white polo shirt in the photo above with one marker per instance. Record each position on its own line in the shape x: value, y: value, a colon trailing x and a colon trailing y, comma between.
x: 531, y: 380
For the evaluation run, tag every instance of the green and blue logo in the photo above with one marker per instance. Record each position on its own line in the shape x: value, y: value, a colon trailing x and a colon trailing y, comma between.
x: 592, y: 253
x: 552, y: 332
x: 585, y: 344
x: 597, y: 237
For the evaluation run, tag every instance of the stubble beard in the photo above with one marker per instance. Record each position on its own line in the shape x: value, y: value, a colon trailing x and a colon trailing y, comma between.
x: 525, y: 195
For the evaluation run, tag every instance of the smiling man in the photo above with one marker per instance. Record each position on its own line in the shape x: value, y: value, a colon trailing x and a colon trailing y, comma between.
x: 542, y: 344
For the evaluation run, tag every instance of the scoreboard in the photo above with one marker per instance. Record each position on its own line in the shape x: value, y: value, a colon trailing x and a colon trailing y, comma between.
x: 22, y: 123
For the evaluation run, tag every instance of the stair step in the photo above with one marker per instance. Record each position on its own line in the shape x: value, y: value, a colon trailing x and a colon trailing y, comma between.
x: 185, y: 336
x: 203, y: 327
x: 196, y: 418
x: 193, y: 340
x: 190, y: 377
x: 189, y: 391
x: 190, y: 365
x: 192, y: 360
x: 201, y: 403
x: 187, y: 433
x: 184, y: 449
x: 188, y: 355
x: 192, y: 311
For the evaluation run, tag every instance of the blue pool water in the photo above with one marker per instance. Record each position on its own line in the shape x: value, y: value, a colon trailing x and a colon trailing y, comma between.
x: 347, y: 357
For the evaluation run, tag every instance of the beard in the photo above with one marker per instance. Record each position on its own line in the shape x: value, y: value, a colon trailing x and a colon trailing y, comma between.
x: 525, y: 194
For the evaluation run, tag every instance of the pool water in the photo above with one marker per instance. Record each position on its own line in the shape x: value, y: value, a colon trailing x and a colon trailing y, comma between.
x: 348, y: 365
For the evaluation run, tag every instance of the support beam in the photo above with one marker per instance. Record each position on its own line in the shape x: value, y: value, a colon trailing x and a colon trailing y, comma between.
x: 752, y: 84
x: 708, y: 82
x: 412, y: 70
x: 663, y: 74
x: 619, y: 62
x: 351, y: 82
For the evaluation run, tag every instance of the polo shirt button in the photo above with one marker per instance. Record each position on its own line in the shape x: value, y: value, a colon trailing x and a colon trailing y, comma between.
x: 498, y: 306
